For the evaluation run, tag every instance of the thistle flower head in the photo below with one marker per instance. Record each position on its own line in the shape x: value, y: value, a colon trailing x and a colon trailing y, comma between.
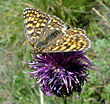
x: 60, y: 73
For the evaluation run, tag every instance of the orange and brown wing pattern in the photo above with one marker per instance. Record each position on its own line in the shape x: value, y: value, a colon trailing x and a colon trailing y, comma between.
x: 70, y: 41
x: 55, y: 24
x: 34, y: 23
x: 75, y: 31
x: 49, y: 34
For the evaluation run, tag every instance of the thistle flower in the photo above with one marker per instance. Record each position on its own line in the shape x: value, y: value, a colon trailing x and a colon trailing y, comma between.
x: 60, y: 73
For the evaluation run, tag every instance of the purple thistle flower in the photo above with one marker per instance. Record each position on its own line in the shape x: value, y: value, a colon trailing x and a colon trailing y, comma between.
x: 60, y: 73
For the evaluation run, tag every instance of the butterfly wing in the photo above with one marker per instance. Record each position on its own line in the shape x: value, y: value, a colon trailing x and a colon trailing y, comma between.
x: 75, y: 31
x: 48, y: 33
x: 34, y: 23
x: 40, y: 28
x: 51, y: 33
x: 72, y: 40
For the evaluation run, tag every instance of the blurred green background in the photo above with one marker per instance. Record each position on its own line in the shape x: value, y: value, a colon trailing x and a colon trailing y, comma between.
x: 91, y: 15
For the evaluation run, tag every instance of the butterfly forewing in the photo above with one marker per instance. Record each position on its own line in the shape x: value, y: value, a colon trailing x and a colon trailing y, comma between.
x: 34, y: 23
x: 51, y: 33
x: 55, y: 24
x: 75, y: 31
x: 72, y: 40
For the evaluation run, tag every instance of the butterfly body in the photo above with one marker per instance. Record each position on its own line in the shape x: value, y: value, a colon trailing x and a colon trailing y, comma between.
x: 49, y: 34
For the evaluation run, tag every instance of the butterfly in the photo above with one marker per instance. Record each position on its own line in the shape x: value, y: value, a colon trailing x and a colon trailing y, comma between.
x: 49, y: 33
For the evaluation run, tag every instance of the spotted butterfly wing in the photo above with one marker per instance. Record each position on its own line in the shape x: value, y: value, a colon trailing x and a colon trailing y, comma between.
x: 49, y: 34
x: 40, y: 28
x: 34, y: 23
x: 72, y: 40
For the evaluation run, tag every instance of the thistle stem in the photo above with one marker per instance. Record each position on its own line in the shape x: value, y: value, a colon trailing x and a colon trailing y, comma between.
x: 65, y: 100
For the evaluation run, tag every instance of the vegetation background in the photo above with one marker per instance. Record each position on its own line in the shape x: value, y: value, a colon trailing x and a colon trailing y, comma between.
x: 91, y: 15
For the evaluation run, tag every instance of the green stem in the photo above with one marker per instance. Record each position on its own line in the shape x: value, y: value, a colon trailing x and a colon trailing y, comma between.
x: 65, y: 100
